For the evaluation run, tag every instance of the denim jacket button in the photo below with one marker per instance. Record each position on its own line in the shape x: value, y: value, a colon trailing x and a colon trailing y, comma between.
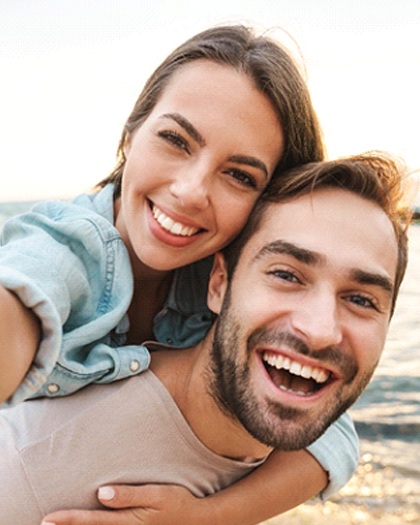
x: 134, y: 365
x: 53, y: 388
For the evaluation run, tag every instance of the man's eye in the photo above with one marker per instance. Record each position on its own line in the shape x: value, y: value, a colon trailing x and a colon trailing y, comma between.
x: 362, y: 301
x: 175, y: 139
x: 285, y: 275
x: 243, y: 178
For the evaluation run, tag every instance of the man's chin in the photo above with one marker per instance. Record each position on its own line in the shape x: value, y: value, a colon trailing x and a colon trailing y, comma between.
x: 289, y: 428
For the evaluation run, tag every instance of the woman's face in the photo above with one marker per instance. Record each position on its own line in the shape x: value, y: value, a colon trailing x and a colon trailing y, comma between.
x: 196, y: 166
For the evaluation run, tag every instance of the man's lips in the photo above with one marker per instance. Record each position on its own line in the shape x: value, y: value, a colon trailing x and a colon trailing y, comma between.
x: 293, y: 376
x: 320, y: 375
x: 171, y: 226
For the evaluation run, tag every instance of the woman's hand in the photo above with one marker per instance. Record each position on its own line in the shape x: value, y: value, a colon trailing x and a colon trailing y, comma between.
x: 139, y: 505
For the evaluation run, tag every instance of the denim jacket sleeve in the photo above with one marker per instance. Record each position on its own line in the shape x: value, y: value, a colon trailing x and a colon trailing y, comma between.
x: 70, y: 266
x: 337, y: 451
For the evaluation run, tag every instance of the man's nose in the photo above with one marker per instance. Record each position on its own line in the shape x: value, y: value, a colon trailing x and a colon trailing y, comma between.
x: 317, y: 321
x: 192, y: 186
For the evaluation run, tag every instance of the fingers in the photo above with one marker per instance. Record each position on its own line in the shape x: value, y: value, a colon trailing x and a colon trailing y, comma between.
x: 145, y: 496
x: 139, y: 505
x: 88, y: 517
x: 120, y: 496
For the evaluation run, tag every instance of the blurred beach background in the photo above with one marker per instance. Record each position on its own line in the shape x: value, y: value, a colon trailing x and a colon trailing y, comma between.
x: 71, y: 72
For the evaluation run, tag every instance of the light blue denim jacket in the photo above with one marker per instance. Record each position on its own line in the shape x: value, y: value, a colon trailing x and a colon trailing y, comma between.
x: 68, y: 263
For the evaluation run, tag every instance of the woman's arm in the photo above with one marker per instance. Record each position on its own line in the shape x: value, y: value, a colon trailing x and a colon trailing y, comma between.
x: 286, y: 480
x: 283, y: 482
x: 19, y: 337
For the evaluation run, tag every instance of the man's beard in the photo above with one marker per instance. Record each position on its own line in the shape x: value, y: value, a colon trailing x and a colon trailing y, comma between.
x: 273, y: 423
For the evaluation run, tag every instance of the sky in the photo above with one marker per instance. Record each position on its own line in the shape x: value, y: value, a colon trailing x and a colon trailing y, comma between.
x: 72, y: 70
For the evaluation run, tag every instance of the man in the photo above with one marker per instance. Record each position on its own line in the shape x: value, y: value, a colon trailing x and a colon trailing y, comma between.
x: 303, y: 296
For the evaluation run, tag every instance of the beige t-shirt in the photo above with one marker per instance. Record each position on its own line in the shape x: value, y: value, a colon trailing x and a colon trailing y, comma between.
x: 54, y: 454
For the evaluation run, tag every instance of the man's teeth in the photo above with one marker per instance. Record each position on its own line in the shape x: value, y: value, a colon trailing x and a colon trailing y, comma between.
x: 176, y: 228
x: 308, y: 372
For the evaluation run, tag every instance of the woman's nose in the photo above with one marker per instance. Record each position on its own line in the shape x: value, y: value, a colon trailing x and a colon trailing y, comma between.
x: 192, y: 187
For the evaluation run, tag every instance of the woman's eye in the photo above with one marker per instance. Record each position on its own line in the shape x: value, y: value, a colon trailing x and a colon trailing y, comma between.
x: 175, y: 139
x: 243, y: 178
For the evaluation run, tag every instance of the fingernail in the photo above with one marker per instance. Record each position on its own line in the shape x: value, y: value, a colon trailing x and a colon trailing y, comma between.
x: 48, y: 523
x: 106, y: 493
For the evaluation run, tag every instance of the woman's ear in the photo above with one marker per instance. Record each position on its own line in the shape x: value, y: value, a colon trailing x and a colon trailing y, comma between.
x: 217, y: 284
x: 127, y: 144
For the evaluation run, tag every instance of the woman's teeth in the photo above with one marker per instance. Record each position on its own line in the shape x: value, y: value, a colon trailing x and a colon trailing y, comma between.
x: 176, y: 228
x: 319, y: 375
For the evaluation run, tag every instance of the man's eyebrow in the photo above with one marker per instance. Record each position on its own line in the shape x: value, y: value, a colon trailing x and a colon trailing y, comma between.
x: 374, y: 279
x: 187, y: 126
x: 196, y: 135
x: 301, y: 254
x: 316, y: 259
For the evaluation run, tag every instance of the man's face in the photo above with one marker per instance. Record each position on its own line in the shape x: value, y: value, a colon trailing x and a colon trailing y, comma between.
x: 303, y: 321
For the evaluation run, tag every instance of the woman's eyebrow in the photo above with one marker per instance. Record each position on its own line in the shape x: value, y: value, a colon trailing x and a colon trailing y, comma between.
x: 196, y: 135
x: 187, y: 126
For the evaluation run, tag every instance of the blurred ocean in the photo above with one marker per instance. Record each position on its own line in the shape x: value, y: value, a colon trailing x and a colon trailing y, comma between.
x: 387, y: 416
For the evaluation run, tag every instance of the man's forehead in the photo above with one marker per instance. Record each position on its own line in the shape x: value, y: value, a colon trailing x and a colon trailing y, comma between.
x: 329, y: 224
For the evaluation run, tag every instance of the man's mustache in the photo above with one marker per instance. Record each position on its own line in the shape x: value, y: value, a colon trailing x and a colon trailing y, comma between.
x: 330, y: 355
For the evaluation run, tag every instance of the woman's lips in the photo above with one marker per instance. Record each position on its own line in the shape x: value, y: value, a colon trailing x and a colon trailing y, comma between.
x: 171, y: 226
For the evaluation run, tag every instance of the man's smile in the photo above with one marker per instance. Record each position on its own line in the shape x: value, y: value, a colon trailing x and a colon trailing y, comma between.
x: 292, y: 376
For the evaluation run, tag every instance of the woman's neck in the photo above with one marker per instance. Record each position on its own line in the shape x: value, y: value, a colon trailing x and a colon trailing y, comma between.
x: 151, y: 289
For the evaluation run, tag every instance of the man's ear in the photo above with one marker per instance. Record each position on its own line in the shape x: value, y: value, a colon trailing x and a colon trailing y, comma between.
x: 217, y: 284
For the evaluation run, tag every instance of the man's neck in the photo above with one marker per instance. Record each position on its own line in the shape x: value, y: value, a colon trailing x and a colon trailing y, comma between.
x: 185, y: 374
